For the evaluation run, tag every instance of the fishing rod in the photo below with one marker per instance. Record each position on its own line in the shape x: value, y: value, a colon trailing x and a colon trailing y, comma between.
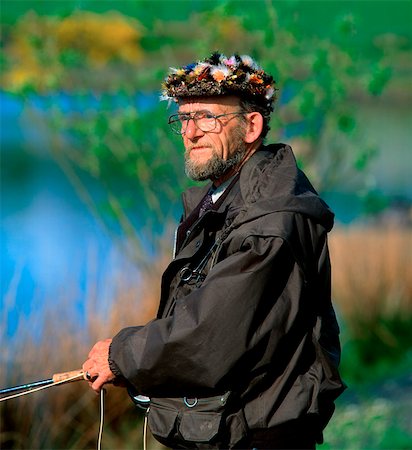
x: 68, y: 377
x: 56, y: 379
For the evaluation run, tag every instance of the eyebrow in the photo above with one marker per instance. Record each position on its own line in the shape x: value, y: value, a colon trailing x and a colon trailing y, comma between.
x: 206, y: 111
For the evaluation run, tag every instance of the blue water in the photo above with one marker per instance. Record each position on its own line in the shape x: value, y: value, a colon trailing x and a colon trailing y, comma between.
x: 49, y: 239
x: 45, y: 236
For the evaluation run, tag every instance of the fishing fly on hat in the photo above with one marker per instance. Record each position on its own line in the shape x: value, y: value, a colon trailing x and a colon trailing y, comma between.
x: 220, y: 75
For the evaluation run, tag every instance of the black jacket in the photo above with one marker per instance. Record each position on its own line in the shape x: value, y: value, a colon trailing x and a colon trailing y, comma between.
x: 246, y: 302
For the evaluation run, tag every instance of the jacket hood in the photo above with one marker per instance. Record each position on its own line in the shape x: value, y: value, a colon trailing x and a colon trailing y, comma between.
x: 270, y: 181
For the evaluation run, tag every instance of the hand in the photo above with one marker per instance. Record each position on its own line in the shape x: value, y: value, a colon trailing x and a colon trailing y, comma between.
x: 98, y: 365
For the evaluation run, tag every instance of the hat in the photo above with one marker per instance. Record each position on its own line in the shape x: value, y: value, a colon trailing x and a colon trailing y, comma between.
x: 220, y: 75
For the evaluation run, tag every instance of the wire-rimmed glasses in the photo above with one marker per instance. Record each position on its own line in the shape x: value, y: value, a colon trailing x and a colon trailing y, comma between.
x: 204, y: 120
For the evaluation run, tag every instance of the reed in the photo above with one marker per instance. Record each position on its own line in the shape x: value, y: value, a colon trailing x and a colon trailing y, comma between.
x: 372, y: 272
x: 56, y: 340
x: 372, y: 288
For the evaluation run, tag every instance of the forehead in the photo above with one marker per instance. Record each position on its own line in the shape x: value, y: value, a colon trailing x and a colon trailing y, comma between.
x: 213, y: 104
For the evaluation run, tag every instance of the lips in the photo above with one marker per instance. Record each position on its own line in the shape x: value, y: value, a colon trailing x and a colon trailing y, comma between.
x: 199, y: 152
x: 199, y: 147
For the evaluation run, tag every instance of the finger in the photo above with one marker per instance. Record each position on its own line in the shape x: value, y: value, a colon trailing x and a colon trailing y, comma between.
x: 89, y: 377
x: 87, y: 365
x: 98, y: 384
x: 87, y: 371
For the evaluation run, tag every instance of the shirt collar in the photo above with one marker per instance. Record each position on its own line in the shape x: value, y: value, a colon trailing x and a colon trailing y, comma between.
x: 217, y: 192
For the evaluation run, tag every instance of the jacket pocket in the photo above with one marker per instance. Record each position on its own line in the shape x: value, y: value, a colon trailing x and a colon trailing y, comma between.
x: 161, y: 420
x: 210, y: 422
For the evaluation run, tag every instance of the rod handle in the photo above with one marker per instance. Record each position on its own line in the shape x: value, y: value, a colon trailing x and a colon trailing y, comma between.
x: 65, y: 375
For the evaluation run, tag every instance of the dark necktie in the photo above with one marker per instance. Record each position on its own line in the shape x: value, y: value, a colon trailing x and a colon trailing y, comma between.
x: 207, y: 204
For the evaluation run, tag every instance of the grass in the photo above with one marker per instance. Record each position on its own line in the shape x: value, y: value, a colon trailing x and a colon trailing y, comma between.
x: 372, y: 282
x: 372, y: 424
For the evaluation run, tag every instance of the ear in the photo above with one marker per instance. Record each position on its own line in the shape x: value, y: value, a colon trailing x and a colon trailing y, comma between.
x: 254, y: 127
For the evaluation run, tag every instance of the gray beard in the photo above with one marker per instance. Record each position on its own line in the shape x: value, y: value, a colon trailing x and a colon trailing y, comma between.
x: 216, y: 167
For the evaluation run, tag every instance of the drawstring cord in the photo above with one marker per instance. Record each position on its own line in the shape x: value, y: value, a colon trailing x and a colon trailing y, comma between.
x: 99, y: 438
x: 145, y: 429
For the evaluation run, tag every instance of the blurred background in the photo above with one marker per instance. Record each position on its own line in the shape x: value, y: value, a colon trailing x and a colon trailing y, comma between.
x: 91, y: 180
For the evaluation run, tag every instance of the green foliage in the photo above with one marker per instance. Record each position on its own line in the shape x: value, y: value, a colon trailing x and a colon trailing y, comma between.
x: 373, y: 424
x: 374, y: 201
x: 372, y: 349
x: 138, y: 169
x: 379, y: 79
x: 320, y: 71
x: 373, y: 413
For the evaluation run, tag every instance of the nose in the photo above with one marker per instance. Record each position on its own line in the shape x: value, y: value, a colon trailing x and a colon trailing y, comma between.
x: 192, y: 130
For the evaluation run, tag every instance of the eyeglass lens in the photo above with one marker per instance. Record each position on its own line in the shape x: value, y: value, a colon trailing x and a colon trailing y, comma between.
x: 205, y: 121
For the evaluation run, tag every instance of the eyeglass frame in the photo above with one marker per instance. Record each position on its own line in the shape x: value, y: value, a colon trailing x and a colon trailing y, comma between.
x: 192, y: 117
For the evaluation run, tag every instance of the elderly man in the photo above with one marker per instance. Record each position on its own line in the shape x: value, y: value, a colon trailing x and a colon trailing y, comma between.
x: 244, y: 350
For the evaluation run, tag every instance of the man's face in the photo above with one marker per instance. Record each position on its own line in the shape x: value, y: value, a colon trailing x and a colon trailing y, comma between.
x: 213, y: 154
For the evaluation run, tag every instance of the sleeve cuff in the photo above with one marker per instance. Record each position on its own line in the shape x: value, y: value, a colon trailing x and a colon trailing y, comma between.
x: 113, y: 366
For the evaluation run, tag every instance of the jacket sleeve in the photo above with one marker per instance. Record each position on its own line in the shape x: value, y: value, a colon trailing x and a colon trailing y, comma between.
x: 244, y: 298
